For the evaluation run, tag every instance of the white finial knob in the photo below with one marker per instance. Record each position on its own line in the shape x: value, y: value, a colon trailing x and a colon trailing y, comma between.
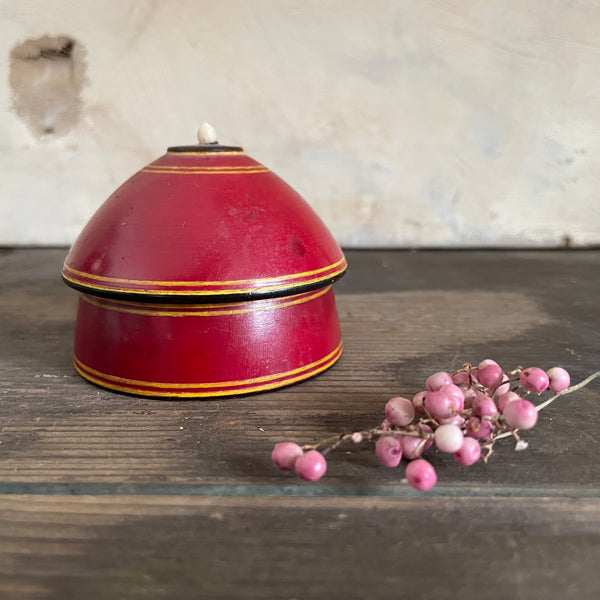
x: 207, y: 134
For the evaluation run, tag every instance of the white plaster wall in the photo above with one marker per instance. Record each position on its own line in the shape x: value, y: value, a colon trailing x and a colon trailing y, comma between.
x: 429, y: 123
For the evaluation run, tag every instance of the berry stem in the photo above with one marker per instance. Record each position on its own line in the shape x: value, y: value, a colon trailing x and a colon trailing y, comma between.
x: 573, y: 388
x: 543, y: 405
x: 328, y: 444
x: 466, y: 430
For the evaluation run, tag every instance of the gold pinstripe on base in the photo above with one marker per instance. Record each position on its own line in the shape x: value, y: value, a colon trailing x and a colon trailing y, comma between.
x: 282, y: 379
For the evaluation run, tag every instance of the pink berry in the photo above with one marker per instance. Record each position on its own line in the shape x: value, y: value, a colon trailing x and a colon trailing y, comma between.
x: 437, y: 380
x: 484, y: 406
x: 461, y: 378
x: 456, y: 394
x: 504, y: 388
x: 285, y: 454
x: 487, y: 362
x: 481, y: 365
x: 478, y: 428
x: 489, y: 375
x: 388, y: 451
x: 311, y: 466
x: 520, y: 414
x: 559, y: 379
x: 468, y: 453
x: 418, y: 402
x: 420, y: 474
x: 439, y: 405
x: 470, y: 395
x: 455, y: 419
x: 534, y: 380
x: 399, y: 411
x: 411, y: 445
x: 506, y: 398
x: 448, y: 438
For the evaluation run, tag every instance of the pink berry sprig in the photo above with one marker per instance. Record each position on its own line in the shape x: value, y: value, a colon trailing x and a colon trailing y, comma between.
x: 463, y: 414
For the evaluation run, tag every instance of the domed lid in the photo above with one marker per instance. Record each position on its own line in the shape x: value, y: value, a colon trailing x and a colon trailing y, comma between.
x: 206, y: 223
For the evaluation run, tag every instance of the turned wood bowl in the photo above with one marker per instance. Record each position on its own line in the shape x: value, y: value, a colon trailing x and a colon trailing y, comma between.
x: 204, y: 275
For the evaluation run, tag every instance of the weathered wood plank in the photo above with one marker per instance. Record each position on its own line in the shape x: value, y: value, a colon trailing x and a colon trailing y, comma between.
x: 404, y: 315
x: 276, y: 547
x: 129, y: 497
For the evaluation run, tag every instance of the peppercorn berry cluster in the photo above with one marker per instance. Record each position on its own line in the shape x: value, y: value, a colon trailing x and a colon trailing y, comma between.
x: 463, y: 414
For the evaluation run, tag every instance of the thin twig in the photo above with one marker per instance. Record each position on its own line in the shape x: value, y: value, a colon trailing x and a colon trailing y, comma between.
x: 573, y: 388
x: 543, y: 405
x: 333, y: 442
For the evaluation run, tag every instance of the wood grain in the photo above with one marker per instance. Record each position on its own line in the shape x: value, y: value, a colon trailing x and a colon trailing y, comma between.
x: 107, y: 495
x: 281, y: 547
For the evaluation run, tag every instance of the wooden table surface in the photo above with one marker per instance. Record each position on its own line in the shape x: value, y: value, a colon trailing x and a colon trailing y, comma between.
x: 109, y: 496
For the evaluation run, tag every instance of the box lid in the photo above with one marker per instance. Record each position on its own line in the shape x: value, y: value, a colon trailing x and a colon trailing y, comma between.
x: 203, y: 223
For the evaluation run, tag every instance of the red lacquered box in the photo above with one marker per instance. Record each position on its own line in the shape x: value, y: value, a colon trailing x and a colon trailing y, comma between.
x: 204, y: 275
